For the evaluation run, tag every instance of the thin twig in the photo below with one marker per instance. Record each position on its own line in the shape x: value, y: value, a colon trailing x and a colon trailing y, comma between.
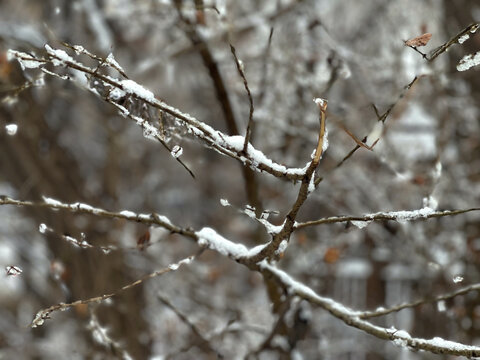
x: 249, y: 94
x: 383, y: 216
x: 271, y: 250
x: 471, y: 29
x: 212, y: 138
x: 350, y: 318
x: 194, y: 329
x: 448, y: 296
x: 44, y: 314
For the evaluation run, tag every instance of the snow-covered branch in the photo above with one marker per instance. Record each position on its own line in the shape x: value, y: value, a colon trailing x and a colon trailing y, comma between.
x: 232, y: 146
x: 351, y: 318
x: 44, y: 314
x: 400, y: 216
x: 442, y: 297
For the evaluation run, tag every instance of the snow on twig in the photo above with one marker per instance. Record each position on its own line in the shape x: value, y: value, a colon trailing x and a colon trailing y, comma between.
x: 44, y: 314
x: 232, y: 146
x: 351, y: 318
x: 400, y: 216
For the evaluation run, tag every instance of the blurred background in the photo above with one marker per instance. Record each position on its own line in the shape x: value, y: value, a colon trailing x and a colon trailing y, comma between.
x: 72, y: 146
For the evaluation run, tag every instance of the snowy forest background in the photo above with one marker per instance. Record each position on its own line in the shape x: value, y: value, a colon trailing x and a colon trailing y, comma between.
x: 403, y: 135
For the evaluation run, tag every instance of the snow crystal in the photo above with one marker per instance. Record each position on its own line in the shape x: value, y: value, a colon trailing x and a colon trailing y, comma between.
x: 11, y: 129
x: 404, y: 216
x: 136, y: 89
x: 320, y: 102
x: 282, y: 247
x: 469, y: 61
x: 236, y: 143
x: 149, y: 131
x: 26, y: 61
x: 80, y: 206
x: 42, y: 228
x: 325, y: 141
x: 177, y: 151
x: 361, y: 224
x: 250, y: 211
x: 463, y: 38
x: 51, y: 201
x: 60, y: 55
x: 116, y: 94
x: 311, y: 184
x: 458, y: 279
x: 111, y: 61
x: 210, y: 238
x: 79, y: 49
x: 401, y: 337
x: 128, y: 214
x: 441, y: 307
x: 430, y: 202
x: 224, y: 202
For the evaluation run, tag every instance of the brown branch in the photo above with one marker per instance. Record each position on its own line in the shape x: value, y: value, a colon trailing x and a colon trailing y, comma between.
x: 351, y: 318
x: 382, y: 118
x: 471, y: 29
x: 250, y: 100
x: 380, y: 217
x: 251, y: 183
x: 202, y: 341
x: 211, y: 137
x: 44, y: 314
x: 396, y: 308
x: 271, y: 250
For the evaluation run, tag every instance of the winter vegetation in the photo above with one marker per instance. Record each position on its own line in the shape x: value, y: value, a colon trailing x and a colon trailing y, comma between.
x: 193, y: 179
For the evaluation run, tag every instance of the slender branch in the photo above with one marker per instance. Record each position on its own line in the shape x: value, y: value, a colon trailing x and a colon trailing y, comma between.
x: 272, y: 249
x: 396, y: 308
x: 350, y: 318
x: 147, y: 219
x: 208, y: 238
x: 194, y: 329
x: 382, y: 216
x: 471, y: 29
x: 225, y: 145
x: 44, y: 314
x: 382, y: 118
x: 249, y: 94
x: 251, y: 184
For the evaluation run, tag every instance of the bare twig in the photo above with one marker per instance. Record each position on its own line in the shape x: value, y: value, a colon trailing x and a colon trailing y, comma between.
x: 471, y: 29
x: 218, y: 141
x: 202, y: 340
x: 307, y: 186
x: 44, y: 314
x: 250, y: 100
x: 448, y: 296
x: 147, y: 219
x: 351, y: 318
x: 383, y: 216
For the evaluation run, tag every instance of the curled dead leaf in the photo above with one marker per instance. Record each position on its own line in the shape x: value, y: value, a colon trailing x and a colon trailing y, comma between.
x: 421, y: 40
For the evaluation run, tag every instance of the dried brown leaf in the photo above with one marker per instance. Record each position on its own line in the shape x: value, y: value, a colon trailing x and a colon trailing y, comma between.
x: 421, y: 40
